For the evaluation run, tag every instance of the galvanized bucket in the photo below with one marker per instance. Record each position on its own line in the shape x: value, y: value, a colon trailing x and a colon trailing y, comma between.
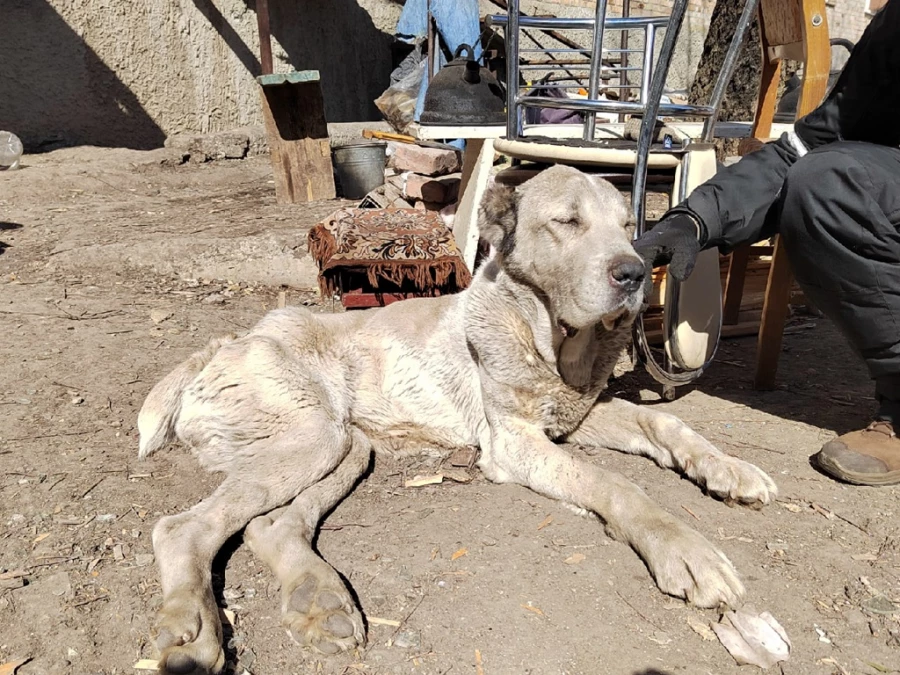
x: 360, y: 167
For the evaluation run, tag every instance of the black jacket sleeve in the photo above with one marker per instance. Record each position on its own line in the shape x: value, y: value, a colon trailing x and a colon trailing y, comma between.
x: 731, y: 207
x: 864, y: 105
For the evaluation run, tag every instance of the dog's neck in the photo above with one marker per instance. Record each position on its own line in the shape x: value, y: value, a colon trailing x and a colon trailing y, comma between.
x: 569, y: 350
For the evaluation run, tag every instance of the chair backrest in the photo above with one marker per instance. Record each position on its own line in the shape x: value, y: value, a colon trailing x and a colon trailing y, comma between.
x: 653, y: 77
x: 796, y: 30
x: 548, y: 67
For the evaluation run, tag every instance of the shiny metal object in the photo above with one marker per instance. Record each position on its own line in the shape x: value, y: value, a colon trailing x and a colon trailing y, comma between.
x: 597, y: 63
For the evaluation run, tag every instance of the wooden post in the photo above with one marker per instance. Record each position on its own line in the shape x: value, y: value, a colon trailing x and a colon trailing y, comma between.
x: 762, y: 129
x: 265, y: 37
x: 294, y: 114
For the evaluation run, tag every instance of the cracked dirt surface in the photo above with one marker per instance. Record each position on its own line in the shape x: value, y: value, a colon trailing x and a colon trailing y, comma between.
x: 114, y: 267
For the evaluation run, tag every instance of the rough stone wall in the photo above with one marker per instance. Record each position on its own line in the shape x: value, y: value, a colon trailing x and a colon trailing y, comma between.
x: 120, y: 73
x: 847, y: 19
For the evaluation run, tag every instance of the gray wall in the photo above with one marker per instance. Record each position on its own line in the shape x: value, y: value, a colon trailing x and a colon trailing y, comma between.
x: 123, y: 73
x: 132, y: 72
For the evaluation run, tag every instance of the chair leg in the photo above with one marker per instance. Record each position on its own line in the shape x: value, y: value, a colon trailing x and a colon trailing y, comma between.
x: 775, y: 312
x: 734, y: 285
x: 477, y: 163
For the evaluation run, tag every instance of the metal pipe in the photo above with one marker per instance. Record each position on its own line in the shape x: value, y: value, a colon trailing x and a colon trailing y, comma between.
x: 647, y: 68
x: 590, y: 120
x: 673, y: 109
x: 513, y: 118
x: 728, y: 66
x: 651, y: 110
x: 548, y: 65
x: 502, y: 4
x: 574, y: 23
x: 432, y: 42
x: 576, y: 51
x: 547, y: 85
x: 626, y: 12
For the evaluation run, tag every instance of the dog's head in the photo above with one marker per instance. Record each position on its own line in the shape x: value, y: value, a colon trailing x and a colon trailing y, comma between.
x: 568, y: 235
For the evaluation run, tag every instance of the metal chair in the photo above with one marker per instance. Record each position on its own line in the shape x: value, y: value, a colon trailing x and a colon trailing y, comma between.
x: 692, y: 310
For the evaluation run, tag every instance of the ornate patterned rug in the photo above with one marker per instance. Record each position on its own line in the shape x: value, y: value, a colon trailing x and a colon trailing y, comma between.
x: 404, y: 251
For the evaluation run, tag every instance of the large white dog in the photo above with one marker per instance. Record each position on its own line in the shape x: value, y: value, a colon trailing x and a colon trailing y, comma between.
x: 292, y: 411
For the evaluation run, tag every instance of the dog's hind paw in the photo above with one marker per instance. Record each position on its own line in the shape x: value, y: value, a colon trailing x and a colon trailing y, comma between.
x: 188, y: 635
x: 686, y: 565
x: 319, y: 613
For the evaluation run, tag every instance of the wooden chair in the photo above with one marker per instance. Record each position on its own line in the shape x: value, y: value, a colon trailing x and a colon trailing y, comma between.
x: 796, y: 30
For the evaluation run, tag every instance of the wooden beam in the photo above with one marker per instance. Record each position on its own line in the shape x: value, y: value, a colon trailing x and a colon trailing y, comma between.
x: 265, y: 36
x: 817, y: 64
x: 294, y: 115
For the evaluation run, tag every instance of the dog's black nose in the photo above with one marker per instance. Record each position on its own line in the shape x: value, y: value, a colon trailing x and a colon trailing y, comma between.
x: 627, y: 274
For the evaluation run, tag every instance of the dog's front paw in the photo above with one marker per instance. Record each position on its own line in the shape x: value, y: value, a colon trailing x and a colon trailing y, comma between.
x: 736, y: 481
x: 686, y: 565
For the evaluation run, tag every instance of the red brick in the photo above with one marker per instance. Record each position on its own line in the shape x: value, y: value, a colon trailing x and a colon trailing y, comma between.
x: 425, y: 161
x: 442, y: 190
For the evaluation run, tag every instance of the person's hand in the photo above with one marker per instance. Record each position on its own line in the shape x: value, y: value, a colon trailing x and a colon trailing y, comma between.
x: 672, y: 242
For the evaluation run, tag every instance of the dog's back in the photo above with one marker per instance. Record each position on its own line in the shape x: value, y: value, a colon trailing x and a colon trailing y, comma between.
x: 402, y: 373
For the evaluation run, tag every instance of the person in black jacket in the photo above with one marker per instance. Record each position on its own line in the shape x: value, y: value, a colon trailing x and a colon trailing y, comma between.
x: 831, y: 190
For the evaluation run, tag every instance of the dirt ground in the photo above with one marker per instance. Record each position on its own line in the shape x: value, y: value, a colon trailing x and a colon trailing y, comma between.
x: 114, y: 266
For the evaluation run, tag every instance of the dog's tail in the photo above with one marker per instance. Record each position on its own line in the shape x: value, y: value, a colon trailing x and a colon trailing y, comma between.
x: 156, y: 421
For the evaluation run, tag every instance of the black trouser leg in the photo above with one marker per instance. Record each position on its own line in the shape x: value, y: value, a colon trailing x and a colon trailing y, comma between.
x: 838, y: 214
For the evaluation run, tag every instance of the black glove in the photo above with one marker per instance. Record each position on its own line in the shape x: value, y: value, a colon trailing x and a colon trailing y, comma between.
x: 672, y: 242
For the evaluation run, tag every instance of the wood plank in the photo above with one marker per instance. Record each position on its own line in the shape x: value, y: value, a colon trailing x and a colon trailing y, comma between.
x: 783, y: 21
x: 734, y: 285
x: 814, y: 35
x: 817, y: 63
x: 478, y: 160
x: 294, y: 115
x: 265, y: 38
x: 775, y: 312
x: 768, y: 96
x: 387, y: 136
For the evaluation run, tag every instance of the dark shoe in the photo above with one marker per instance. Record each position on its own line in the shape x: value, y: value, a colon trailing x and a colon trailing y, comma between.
x: 867, y: 457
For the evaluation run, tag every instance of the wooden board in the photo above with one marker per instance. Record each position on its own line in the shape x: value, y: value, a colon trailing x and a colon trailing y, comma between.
x: 813, y: 27
x: 294, y: 114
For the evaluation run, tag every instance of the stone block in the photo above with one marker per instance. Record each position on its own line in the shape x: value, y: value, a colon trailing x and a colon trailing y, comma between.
x: 425, y: 161
x: 443, y: 189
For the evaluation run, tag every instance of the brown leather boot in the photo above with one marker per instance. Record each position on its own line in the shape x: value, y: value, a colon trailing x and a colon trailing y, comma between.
x: 867, y: 457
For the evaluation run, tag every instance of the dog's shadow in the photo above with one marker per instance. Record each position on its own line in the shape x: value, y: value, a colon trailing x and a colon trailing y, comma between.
x: 6, y: 225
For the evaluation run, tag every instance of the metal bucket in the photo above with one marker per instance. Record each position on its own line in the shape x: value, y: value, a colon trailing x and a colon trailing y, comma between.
x: 360, y: 167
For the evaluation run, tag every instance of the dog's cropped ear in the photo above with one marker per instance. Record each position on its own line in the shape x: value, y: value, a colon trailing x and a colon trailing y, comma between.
x: 497, y: 217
